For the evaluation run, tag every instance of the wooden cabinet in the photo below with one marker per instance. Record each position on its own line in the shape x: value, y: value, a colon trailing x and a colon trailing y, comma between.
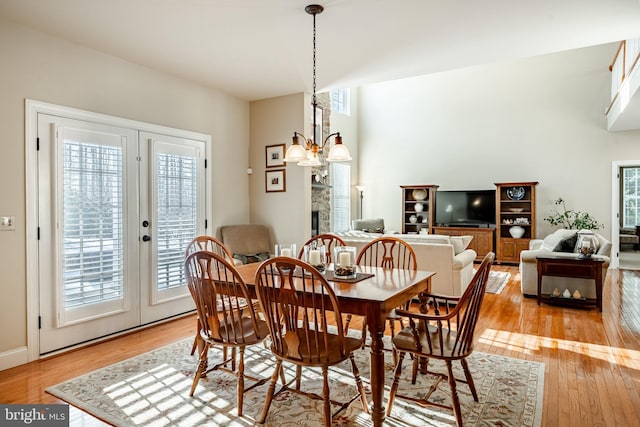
x: 515, y: 219
x: 482, y: 241
x: 418, y: 208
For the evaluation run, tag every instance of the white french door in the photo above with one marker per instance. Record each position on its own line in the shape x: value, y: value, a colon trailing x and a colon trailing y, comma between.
x: 116, y: 208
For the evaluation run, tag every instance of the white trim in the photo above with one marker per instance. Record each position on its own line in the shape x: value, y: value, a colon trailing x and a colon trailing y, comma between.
x: 15, y: 357
x: 32, y: 109
x: 615, y: 208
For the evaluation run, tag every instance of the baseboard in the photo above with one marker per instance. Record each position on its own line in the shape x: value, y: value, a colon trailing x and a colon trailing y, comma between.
x: 15, y: 357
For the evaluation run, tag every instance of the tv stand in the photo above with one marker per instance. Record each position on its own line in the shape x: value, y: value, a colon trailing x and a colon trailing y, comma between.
x: 483, y: 239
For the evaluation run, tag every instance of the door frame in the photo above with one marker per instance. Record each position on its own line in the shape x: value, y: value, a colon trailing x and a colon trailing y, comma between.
x: 616, y: 165
x: 32, y: 109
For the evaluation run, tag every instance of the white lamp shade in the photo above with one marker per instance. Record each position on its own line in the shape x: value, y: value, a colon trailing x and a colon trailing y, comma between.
x: 295, y: 153
x: 339, y: 153
x: 310, y: 160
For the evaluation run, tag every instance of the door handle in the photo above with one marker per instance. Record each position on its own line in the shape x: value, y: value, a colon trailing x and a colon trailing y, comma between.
x: 146, y: 238
x: 145, y: 223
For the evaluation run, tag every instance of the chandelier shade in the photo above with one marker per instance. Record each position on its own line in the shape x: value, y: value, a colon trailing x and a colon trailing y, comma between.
x: 307, y: 152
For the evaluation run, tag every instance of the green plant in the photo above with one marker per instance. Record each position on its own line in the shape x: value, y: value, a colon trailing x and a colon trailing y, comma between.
x: 573, y: 220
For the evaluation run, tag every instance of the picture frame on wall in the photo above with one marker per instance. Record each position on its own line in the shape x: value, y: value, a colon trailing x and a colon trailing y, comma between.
x: 274, y: 155
x: 275, y: 181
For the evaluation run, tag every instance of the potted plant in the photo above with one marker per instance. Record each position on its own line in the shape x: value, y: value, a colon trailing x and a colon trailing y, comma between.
x: 572, y: 220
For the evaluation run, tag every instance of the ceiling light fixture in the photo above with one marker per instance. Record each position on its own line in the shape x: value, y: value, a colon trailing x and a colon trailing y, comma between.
x: 307, y: 155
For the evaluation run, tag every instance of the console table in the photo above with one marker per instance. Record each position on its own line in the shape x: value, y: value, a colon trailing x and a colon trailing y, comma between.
x: 588, y: 268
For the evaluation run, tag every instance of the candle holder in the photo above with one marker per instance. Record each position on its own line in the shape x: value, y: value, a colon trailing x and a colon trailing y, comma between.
x: 344, y: 262
x: 315, y: 255
x: 286, y: 249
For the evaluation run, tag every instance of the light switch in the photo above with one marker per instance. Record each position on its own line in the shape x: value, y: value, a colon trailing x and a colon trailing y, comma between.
x: 7, y: 223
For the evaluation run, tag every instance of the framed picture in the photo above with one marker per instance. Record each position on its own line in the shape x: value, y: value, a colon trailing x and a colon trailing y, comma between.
x: 275, y: 155
x: 275, y: 181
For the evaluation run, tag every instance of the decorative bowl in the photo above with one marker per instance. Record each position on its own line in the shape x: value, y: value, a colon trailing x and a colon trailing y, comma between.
x: 515, y: 193
x: 516, y: 210
x: 419, y: 194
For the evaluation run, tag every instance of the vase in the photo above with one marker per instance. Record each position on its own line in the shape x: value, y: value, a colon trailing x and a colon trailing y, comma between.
x: 516, y: 231
x: 418, y: 207
x: 413, y: 219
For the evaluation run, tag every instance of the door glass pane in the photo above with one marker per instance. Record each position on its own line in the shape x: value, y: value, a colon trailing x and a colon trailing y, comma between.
x: 176, y: 215
x: 93, y: 223
x: 630, y: 197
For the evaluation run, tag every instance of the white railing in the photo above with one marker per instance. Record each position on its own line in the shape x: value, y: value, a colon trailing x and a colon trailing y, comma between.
x: 624, y: 63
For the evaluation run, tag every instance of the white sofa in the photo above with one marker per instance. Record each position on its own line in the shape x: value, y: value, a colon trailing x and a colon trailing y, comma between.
x: 447, y: 256
x: 551, y: 245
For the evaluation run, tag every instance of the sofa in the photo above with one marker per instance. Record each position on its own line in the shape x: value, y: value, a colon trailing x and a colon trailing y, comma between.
x: 566, y: 244
x: 447, y: 256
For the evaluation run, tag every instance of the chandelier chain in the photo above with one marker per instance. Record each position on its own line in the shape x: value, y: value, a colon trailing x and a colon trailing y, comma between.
x: 314, y: 73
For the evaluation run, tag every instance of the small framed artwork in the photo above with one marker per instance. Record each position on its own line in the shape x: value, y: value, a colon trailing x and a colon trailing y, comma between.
x: 275, y: 155
x: 275, y: 181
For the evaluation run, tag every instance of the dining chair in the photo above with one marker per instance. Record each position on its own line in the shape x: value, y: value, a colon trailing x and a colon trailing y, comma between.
x: 211, y: 244
x: 218, y: 291
x: 329, y: 241
x: 297, y: 300
x: 445, y: 334
x: 389, y: 252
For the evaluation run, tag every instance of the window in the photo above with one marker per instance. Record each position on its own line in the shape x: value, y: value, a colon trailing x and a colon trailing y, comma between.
x: 630, y: 196
x: 340, y: 196
x: 340, y: 101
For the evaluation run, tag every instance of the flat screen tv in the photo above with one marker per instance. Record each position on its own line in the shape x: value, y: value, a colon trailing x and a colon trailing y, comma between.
x: 472, y: 208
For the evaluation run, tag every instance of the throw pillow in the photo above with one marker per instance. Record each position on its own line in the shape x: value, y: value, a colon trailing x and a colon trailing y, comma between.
x: 567, y: 244
x: 551, y: 241
x: 460, y: 243
x: 248, y: 259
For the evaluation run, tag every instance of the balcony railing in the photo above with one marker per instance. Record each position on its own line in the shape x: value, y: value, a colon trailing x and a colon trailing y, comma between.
x: 623, y: 65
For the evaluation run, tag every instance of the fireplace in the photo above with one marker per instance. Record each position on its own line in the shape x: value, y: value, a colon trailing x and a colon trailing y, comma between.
x: 315, y: 223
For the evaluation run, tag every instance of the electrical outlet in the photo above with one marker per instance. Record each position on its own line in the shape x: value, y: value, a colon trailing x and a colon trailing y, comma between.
x: 7, y: 223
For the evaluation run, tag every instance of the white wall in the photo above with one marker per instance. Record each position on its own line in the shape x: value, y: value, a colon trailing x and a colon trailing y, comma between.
x: 44, y: 68
x: 535, y: 119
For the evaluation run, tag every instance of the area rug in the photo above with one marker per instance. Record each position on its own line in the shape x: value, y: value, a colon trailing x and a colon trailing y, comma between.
x: 153, y: 390
x: 497, y: 281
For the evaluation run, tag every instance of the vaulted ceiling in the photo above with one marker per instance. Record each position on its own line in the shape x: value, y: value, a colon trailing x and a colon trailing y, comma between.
x: 258, y: 49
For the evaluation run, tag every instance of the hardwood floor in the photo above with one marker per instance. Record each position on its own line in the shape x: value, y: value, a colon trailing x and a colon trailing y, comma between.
x: 592, y: 359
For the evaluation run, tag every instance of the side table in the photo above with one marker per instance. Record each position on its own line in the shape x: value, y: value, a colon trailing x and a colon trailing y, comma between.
x: 588, y: 268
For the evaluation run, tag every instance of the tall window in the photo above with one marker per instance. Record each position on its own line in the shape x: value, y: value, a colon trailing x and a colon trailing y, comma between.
x: 630, y: 196
x: 340, y: 196
x: 340, y: 101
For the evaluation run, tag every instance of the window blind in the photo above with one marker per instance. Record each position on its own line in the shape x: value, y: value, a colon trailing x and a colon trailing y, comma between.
x: 340, y: 196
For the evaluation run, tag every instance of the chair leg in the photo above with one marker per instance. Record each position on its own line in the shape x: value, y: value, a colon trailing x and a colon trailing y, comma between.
x: 396, y: 382
x: 272, y: 389
x: 467, y: 374
x: 298, y: 376
x: 454, y: 395
x: 325, y: 396
x: 240, y: 375
x: 356, y: 375
x: 202, y: 366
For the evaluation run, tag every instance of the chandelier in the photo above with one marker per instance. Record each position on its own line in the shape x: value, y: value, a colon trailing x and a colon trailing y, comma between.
x: 307, y: 154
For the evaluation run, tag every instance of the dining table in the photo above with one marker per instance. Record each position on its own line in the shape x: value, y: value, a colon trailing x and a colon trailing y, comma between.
x: 374, y: 296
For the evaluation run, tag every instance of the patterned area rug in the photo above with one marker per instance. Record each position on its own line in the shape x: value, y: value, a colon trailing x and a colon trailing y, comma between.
x: 497, y: 281
x: 153, y: 390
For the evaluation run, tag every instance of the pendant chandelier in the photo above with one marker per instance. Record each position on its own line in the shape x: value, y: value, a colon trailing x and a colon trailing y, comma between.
x: 307, y: 154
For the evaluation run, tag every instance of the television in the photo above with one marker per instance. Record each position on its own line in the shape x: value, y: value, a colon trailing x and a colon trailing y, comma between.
x: 472, y: 208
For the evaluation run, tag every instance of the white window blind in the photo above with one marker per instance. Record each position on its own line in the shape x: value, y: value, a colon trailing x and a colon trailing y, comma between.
x: 340, y: 196
x: 176, y: 215
x: 93, y: 223
x: 340, y: 101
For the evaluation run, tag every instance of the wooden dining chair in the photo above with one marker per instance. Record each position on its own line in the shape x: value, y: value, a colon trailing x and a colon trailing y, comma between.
x: 389, y: 252
x: 446, y: 334
x: 218, y: 291
x: 297, y: 306
x: 210, y: 244
x: 329, y: 241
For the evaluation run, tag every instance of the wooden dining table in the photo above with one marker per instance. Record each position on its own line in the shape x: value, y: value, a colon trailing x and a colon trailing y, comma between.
x: 373, y: 297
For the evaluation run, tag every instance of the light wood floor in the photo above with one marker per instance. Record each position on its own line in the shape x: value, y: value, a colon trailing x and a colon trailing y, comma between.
x: 592, y: 360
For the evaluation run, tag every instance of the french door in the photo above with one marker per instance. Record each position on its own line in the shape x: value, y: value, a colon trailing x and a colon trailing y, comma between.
x: 116, y: 209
